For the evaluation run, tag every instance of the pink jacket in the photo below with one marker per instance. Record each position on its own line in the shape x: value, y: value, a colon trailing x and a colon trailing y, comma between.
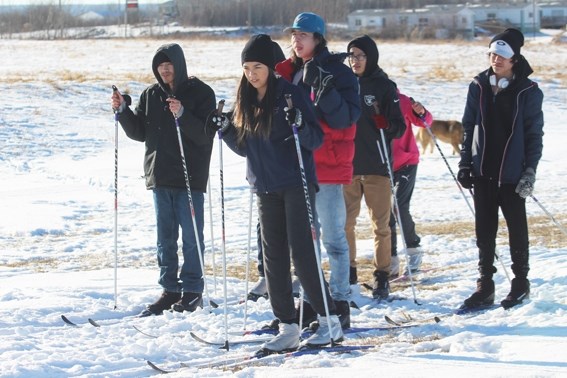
x: 405, y: 150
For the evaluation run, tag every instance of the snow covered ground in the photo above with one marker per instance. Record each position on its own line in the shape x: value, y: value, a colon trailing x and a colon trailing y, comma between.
x: 57, y: 243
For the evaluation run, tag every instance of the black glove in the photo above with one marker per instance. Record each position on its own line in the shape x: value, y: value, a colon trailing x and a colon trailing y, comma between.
x: 316, y: 77
x: 525, y: 186
x: 217, y: 122
x: 464, y: 177
x: 293, y: 117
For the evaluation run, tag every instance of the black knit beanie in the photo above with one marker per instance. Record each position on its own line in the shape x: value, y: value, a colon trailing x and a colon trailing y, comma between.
x: 259, y: 48
x: 160, y: 58
x: 368, y: 46
x: 507, y: 44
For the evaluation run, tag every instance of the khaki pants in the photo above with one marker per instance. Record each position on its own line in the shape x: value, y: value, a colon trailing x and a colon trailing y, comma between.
x: 378, y: 196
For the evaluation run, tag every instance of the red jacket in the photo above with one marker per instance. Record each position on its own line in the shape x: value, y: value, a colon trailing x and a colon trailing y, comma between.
x: 405, y: 151
x: 333, y: 160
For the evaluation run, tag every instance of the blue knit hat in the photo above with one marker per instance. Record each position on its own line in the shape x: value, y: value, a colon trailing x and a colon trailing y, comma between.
x: 308, y: 22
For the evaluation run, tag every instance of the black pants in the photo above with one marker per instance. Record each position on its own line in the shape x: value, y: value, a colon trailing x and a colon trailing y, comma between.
x: 260, y: 254
x: 488, y: 198
x: 404, y: 178
x: 286, y: 231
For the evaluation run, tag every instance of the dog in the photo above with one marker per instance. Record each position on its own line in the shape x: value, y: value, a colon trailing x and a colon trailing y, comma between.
x: 451, y: 132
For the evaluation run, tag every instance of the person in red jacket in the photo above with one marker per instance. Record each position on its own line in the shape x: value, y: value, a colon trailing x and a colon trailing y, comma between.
x: 406, y: 159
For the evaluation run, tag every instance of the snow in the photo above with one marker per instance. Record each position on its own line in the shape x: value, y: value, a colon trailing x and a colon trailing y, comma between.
x: 57, y: 240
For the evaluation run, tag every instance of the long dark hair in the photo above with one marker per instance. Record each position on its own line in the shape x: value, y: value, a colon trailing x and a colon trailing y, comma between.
x: 251, y: 117
x: 320, y: 46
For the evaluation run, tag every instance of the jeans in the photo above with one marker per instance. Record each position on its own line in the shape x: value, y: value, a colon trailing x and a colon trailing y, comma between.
x: 405, y: 179
x: 331, y: 213
x: 172, y: 211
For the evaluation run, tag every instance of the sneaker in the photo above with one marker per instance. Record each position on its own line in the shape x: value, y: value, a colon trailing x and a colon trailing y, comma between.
x: 322, y: 336
x: 343, y: 312
x: 309, y: 315
x: 286, y: 340
x: 381, y: 286
x: 415, y: 255
x: 483, y: 296
x: 167, y: 299
x: 189, y: 302
x: 353, y: 277
x: 520, y: 291
x: 260, y: 288
x: 395, y: 267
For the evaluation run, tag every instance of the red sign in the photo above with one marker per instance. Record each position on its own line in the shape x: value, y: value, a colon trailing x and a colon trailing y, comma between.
x: 131, y: 3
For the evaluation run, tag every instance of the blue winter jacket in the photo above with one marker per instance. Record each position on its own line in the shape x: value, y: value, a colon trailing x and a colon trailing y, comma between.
x: 273, y: 163
x: 524, y: 146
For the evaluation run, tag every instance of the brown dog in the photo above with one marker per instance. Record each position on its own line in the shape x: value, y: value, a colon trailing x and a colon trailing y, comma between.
x: 446, y: 131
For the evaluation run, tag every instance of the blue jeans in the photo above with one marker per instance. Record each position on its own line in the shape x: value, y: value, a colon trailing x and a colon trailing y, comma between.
x: 172, y: 211
x: 330, y: 221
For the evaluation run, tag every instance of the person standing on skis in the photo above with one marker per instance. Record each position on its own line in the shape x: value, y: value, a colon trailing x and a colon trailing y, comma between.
x: 381, y: 117
x: 175, y: 97
x: 503, y: 124
x: 333, y: 89
x: 259, y: 128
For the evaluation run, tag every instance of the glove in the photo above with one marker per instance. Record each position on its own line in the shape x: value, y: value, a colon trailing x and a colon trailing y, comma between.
x: 525, y: 186
x: 293, y: 117
x: 316, y: 77
x: 464, y: 177
x: 217, y: 122
x: 380, y: 122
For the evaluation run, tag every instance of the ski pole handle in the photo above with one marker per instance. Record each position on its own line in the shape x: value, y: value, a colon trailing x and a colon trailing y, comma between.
x: 288, y: 100
x: 220, y: 106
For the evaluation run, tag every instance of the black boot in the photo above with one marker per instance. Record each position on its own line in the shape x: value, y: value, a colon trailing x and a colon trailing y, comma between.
x: 343, y: 311
x: 520, y: 291
x: 483, y: 296
x: 381, y: 286
x: 353, y: 277
x: 167, y: 299
x: 189, y: 302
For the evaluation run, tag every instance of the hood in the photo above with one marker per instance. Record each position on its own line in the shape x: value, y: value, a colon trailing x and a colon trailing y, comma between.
x: 366, y: 44
x: 175, y: 54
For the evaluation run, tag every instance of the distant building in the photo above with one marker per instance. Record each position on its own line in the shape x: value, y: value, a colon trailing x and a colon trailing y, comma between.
x: 91, y: 17
x: 448, y: 21
x: 438, y: 21
x: 553, y: 14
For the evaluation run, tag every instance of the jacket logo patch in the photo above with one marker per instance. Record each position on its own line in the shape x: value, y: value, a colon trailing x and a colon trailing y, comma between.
x: 369, y: 100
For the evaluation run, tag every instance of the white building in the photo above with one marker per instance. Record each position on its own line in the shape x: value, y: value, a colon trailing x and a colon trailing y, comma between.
x: 440, y: 21
x: 553, y: 14
x: 525, y: 17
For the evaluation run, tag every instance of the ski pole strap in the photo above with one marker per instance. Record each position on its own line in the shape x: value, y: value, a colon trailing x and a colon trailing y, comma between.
x: 288, y: 100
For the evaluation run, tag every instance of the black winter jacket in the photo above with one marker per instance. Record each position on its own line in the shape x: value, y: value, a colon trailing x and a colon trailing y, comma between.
x: 153, y: 123
x: 273, y: 163
x: 376, y: 87
x: 524, y: 143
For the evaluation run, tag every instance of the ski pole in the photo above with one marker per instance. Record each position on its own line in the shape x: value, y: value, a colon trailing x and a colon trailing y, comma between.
x: 248, y: 247
x: 116, y: 114
x: 192, y: 207
x: 223, y: 238
x: 549, y: 214
x: 311, y: 222
x: 212, y: 236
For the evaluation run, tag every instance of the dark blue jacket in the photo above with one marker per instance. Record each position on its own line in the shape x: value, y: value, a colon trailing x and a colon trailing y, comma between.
x: 524, y: 144
x: 273, y: 162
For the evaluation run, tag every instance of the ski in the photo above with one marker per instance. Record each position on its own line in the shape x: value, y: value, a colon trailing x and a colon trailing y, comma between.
x: 239, y: 361
x: 307, y: 333
x: 68, y: 322
x: 233, y: 342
